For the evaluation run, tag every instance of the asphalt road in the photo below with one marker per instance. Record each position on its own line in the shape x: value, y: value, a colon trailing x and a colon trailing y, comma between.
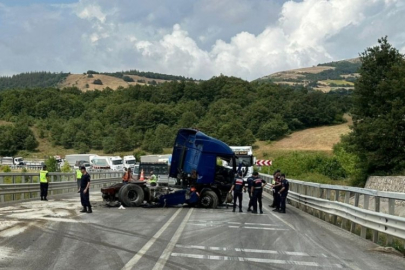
x: 54, y: 235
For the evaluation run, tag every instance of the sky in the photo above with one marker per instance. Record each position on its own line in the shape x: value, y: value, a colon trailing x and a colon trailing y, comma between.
x: 193, y: 38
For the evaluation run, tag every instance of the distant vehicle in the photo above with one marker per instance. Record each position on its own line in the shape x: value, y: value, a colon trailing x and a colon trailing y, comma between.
x: 12, y: 161
x: 115, y: 162
x: 129, y: 162
x: 244, y: 159
x: 100, y: 163
x: 82, y: 163
x: 157, y: 158
x: 73, y: 158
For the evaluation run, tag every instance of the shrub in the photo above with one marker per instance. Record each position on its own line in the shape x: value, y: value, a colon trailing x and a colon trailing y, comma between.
x: 98, y: 81
x: 128, y: 79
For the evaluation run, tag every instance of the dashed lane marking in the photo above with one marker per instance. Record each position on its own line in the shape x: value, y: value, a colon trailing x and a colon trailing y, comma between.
x: 230, y: 223
x: 239, y: 227
x: 160, y: 264
x: 248, y: 250
x: 131, y: 263
x: 258, y: 260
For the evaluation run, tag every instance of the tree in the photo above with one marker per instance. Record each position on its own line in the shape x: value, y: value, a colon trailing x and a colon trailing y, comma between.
x: 128, y: 79
x: 51, y: 165
x: 378, y: 133
x: 273, y: 129
x: 30, y: 143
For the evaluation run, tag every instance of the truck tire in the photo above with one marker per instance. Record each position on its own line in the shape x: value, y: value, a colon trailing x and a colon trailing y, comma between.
x: 209, y: 199
x: 131, y: 195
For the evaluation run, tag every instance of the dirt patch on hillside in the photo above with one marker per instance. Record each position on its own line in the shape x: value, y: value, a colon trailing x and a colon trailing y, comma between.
x: 312, y: 139
x: 84, y: 83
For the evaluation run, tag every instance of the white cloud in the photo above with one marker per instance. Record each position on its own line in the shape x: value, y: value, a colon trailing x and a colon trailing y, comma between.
x: 198, y: 38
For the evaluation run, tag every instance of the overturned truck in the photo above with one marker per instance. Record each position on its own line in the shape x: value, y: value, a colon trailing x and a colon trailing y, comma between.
x: 200, y: 180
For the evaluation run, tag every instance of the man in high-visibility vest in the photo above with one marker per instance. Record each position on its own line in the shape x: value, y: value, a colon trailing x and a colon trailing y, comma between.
x: 43, y: 183
x: 152, y: 179
x: 78, y: 178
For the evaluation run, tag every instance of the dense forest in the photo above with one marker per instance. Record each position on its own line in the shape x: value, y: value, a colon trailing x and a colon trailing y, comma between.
x: 231, y: 109
x: 32, y: 80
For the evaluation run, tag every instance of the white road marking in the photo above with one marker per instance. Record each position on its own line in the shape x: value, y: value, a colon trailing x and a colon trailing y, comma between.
x: 259, y: 260
x: 195, y: 222
x: 282, y: 220
x: 131, y: 263
x: 160, y: 264
x: 240, y: 227
x: 247, y: 250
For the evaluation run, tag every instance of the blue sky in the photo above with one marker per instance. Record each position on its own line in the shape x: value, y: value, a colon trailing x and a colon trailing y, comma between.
x: 193, y: 38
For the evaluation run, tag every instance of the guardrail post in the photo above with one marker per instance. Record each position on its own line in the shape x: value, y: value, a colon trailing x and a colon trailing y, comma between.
x: 336, y: 198
x: 343, y: 225
x: 363, y: 232
x: 391, y: 211
x: 377, y: 209
x: 356, y: 203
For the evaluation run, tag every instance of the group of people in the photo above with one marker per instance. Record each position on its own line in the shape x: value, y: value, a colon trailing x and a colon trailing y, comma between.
x: 254, y: 185
x: 280, y: 191
x: 83, y: 185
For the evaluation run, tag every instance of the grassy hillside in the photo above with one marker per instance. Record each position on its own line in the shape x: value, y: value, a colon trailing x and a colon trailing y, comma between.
x: 324, y: 77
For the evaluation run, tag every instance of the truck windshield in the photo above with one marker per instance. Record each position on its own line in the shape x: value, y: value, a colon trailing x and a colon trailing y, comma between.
x: 117, y: 162
x: 131, y: 161
x: 245, y: 160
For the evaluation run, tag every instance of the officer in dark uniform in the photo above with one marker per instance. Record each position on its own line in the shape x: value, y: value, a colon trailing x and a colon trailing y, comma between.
x: 257, y: 192
x: 85, y: 191
x: 237, y: 187
x: 277, y: 188
x: 285, y: 186
x: 249, y: 182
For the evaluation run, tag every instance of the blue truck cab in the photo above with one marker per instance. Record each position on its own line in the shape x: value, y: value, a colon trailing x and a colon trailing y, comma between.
x: 195, y: 160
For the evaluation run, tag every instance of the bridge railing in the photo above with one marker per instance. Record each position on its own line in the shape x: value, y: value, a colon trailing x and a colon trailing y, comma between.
x: 365, y: 212
x: 20, y: 186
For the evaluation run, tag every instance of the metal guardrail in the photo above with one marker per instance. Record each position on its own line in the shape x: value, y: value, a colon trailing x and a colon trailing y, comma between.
x: 20, y: 186
x: 340, y: 205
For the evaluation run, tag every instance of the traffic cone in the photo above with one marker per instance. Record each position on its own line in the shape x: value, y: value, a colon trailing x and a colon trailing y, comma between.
x: 142, y: 177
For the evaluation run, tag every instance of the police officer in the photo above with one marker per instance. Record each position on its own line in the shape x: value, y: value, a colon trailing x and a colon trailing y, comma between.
x: 285, y: 186
x: 43, y: 183
x: 276, y: 176
x: 249, y: 182
x: 257, y: 192
x: 78, y: 177
x: 237, y: 186
x: 85, y: 191
x: 277, y: 188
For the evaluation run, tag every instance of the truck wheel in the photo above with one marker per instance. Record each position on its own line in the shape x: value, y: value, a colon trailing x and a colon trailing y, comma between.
x: 131, y: 195
x: 209, y: 199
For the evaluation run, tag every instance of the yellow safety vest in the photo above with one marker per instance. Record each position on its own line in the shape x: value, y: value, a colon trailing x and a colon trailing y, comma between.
x: 42, y: 177
x: 152, y: 179
x: 78, y: 174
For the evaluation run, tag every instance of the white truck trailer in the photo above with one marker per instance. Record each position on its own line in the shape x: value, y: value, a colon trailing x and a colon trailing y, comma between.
x: 245, y: 157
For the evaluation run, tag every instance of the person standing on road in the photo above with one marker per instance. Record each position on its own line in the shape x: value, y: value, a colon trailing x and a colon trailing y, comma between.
x: 257, y: 192
x: 276, y: 176
x: 249, y: 182
x: 237, y: 187
x: 43, y: 183
x: 85, y: 191
x: 277, y: 188
x: 152, y: 179
x: 78, y: 178
x: 285, y: 186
